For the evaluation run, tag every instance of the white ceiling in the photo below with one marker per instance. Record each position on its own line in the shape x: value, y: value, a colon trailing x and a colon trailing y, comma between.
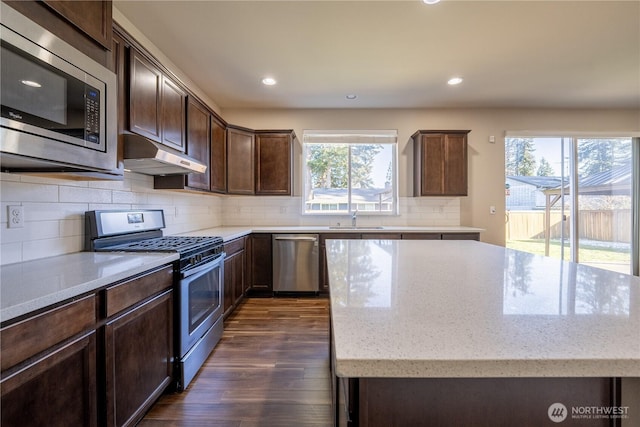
x: 400, y: 54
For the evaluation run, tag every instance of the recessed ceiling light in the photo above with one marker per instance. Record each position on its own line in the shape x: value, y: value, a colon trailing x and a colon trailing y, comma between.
x: 30, y: 83
x: 430, y: 1
x: 454, y: 81
x: 269, y: 81
x: 351, y: 96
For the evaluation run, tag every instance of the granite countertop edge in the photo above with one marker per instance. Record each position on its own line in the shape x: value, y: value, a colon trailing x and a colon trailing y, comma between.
x: 229, y: 233
x: 33, y: 301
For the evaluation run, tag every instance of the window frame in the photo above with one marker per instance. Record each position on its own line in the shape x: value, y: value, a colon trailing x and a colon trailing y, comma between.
x: 366, y: 137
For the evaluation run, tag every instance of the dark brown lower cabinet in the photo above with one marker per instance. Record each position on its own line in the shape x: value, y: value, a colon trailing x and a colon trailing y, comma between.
x: 490, y: 402
x: 237, y: 268
x: 461, y: 236
x: 228, y: 286
x: 95, y: 360
x: 234, y: 274
x: 57, y: 389
x: 260, y: 265
x: 324, y: 274
x: 138, y: 359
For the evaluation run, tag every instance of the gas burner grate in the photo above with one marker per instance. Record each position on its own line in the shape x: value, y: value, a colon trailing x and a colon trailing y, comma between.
x: 169, y: 243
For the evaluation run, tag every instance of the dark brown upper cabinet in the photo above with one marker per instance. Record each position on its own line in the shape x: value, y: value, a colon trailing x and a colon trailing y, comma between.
x: 198, y: 133
x: 94, y: 18
x: 274, y: 154
x: 85, y: 25
x: 240, y: 161
x: 218, y: 162
x: 206, y: 142
x: 440, y: 163
x: 156, y: 103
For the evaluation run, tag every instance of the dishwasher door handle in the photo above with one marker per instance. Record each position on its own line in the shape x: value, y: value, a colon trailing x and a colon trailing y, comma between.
x: 297, y: 239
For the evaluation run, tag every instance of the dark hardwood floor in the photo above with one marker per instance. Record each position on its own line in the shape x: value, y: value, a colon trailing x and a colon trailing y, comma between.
x: 271, y: 368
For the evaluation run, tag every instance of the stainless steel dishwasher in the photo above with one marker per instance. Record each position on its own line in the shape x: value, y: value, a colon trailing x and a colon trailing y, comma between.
x: 295, y: 262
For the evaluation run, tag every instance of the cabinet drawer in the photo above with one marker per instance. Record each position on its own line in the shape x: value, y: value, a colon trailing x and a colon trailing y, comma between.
x: 126, y: 294
x: 339, y: 236
x: 29, y: 337
x: 421, y: 236
x: 381, y: 236
x: 461, y: 236
x: 234, y: 246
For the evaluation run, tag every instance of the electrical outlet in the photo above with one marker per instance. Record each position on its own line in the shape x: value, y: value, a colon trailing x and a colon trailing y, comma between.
x: 16, y: 216
x: 492, y: 210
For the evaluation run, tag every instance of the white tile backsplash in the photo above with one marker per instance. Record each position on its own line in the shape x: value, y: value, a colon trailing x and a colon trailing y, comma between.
x: 54, y: 211
x: 263, y: 211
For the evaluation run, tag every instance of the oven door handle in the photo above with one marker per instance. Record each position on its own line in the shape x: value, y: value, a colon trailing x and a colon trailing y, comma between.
x: 212, y: 264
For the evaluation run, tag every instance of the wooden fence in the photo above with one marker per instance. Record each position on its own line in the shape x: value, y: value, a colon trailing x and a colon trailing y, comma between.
x: 603, y: 225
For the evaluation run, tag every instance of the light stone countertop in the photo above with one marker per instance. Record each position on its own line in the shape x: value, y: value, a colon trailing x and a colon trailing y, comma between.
x: 233, y: 232
x: 444, y: 309
x: 31, y: 285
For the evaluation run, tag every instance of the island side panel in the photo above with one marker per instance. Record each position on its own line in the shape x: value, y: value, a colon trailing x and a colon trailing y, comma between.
x: 487, y: 402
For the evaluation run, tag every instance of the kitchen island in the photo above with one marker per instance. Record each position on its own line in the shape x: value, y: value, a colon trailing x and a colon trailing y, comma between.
x: 466, y: 333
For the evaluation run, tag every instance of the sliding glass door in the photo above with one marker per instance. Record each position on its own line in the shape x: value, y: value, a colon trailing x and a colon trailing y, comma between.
x: 604, y: 216
x: 571, y: 198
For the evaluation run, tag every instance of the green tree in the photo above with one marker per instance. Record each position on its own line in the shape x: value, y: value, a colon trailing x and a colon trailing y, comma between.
x: 328, y: 165
x: 362, y: 157
x: 545, y: 168
x: 519, y: 159
x: 599, y: 155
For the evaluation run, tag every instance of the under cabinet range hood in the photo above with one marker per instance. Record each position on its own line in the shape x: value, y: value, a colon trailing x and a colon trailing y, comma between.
x: 141, y: 155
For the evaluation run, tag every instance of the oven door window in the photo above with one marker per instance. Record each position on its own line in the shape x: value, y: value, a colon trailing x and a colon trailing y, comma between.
x: 204, y: 296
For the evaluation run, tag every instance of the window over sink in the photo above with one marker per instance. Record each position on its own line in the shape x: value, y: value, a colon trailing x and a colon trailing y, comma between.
x: 350, y: 170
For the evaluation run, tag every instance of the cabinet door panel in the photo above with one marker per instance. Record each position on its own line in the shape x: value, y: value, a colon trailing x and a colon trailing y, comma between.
x: 238, y: 277
x: 144, y: 97
x: 198, y: 132
x: 432, y: 160
x: 228, y: 285
x: 440, y: 163
x: 138, y: 355
x: 71, y: 30
x: 218, y: 163
x: 261, y: 263
x: 56, y: 390
x: 240, y: 162
x: 173, y: 115
x: 94, y: 18
x: 455, y: 165
x: 273, y: 164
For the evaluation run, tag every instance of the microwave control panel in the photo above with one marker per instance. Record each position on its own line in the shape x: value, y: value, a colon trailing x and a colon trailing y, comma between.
x: 92, y: 114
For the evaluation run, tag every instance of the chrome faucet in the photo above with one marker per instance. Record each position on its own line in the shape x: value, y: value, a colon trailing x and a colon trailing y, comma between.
x: 354, y: 218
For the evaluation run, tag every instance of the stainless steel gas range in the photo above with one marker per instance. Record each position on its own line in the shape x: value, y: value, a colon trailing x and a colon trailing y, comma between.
x: 198, y: 278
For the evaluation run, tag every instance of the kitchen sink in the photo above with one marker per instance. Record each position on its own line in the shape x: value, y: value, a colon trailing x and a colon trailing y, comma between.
x: 348, y: 227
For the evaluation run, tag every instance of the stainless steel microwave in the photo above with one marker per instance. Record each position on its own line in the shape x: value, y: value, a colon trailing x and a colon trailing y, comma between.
x: 58, y: 105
